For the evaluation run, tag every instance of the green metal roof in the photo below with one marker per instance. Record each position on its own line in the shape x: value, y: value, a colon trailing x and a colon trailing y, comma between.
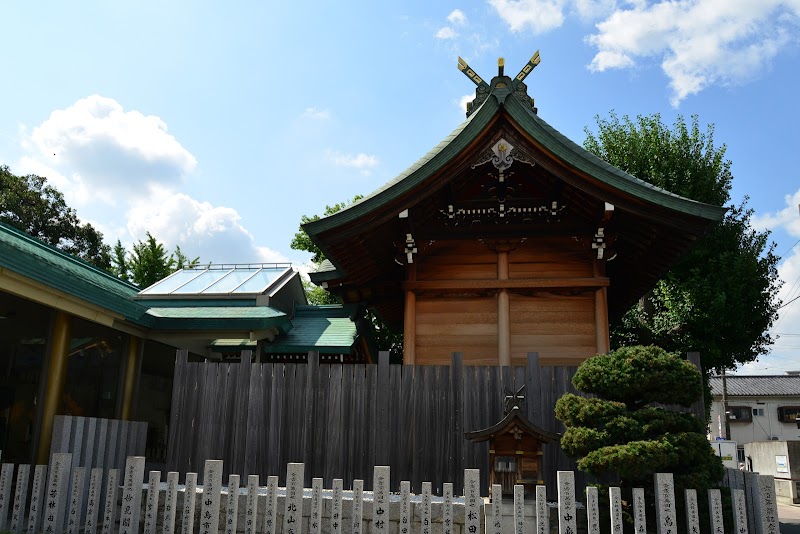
x: 219, y: 318
x: 571, y: 153
x: 327, y: 329
x: 29, y: 257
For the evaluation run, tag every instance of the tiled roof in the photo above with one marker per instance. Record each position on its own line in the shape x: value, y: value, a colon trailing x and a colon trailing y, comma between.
x: 757, y: 386
x: 328, y: 329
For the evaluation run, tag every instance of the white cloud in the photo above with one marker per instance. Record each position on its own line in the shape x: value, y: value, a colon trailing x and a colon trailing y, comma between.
x: 539, y: 16
x: 699, y: 42
x: 214, y: 232
x: 446, y: 32
x: 316, y: 113
x: 457, y: 17
x: 464, y: 100
x: 361, y: 161
x: 102, y: 148
x: 788, y: 218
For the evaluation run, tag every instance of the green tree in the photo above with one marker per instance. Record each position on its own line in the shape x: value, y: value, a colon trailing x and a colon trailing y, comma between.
x: 385, y: 337
x: 31, y: 205
x: 301, y: 241
x: 148, y: 262
x: 620, y: 436
x: 720, y: 299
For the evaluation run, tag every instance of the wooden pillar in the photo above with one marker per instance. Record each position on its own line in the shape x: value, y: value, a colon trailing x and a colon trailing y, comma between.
x: 131, y: 372
x: 56, y: 378
x: 601, y: 312
x: 503, y: 313
x: 410, y: 320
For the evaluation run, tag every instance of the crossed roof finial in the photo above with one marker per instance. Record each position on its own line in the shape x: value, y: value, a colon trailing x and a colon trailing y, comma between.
x: 480, y: 82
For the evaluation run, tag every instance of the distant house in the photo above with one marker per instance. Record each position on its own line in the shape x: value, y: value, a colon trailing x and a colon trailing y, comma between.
x: 760, y: 408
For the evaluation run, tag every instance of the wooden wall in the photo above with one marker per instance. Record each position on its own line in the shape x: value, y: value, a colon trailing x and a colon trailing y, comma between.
x: 559, y: 323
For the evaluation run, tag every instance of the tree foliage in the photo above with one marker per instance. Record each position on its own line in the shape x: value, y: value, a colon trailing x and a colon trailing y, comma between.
x: 148, y: 262
x: 720, y: 299
x: 31, y: 205
x: 385, y: 337
x: 619, y: 433
x: 301, y: 241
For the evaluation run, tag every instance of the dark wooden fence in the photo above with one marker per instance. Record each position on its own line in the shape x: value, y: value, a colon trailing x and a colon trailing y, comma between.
x: 341, y: 420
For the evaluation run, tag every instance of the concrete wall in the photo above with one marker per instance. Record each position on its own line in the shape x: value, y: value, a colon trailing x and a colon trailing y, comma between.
x: 765, y: 455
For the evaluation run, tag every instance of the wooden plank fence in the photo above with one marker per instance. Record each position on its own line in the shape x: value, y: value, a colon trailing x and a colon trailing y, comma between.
x: 214, y: 508
x: 340, y: 420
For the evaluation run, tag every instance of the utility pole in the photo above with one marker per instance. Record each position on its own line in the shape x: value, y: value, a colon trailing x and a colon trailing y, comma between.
x: 725, y: 405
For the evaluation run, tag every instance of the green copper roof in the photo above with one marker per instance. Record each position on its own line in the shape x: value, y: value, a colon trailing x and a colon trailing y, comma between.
x: 219, y: 318
x: 29, y: 257
x: 571, y: 153
x: 328, y: 329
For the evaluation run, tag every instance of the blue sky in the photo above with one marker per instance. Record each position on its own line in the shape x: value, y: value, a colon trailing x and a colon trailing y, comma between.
x: 216, y: 127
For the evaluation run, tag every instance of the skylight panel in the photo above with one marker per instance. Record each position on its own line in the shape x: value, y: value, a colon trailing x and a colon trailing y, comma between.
x: 172, y: 282
x: 199, y: 284
x: 260, y: 281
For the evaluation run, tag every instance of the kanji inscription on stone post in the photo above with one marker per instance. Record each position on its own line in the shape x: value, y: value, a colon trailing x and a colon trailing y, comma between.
x: 132, y: 495
x: 426, y: 508
x: 251, y: 505
x: 495, y: 525
x: 271, y: 506
x: 56, y: 498
x: 692, y: 512
x: 212, y: 486
x: 405, y: 507
x: 93, y: 500
x: 189, y: 496
x: 293, y: 509
x: 447, y: 508
x: 639, y: 511
x: 665, y: 504
x: 615, y: 508
x: 472, y: 501
x: 739, y: 511
x: 315, y: 519
x: 592, y: 510
x: 151, y: 503
x: 715, y: 511
x: 6, y: 476
x: 76, y: 501
x: 380, y: 500
x: 20, y: 498
x: 37, y: 491
x: 170, y: 503
x: 358, y: 506
x: 769, y: 505
x: 336, y: 507
x: 542, y: 512
x: 232, y: 505
x: 567, y: 523
x: 519, y: 509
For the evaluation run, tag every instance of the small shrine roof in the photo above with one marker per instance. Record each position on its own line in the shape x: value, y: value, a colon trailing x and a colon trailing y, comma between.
x: 514, y: 417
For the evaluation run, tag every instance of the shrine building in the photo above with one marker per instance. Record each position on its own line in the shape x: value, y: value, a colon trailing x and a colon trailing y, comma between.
x: 506, y: 238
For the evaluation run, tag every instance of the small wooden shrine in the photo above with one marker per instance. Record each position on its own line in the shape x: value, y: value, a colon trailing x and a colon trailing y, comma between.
x: 515, y: 448
x: 507, y: 238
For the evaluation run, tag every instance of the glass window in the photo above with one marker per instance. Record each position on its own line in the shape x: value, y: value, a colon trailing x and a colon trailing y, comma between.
x: 171, y: 283
x: 788, y: 414
x: 260, y: 281
x: 24, y: 327
x: 198, y: 284
x: 740, y: 414
x: 231, y: 281
x: 758, y: 412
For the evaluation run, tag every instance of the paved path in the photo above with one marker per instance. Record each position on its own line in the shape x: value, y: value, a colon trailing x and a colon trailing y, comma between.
x: 790, y: 518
